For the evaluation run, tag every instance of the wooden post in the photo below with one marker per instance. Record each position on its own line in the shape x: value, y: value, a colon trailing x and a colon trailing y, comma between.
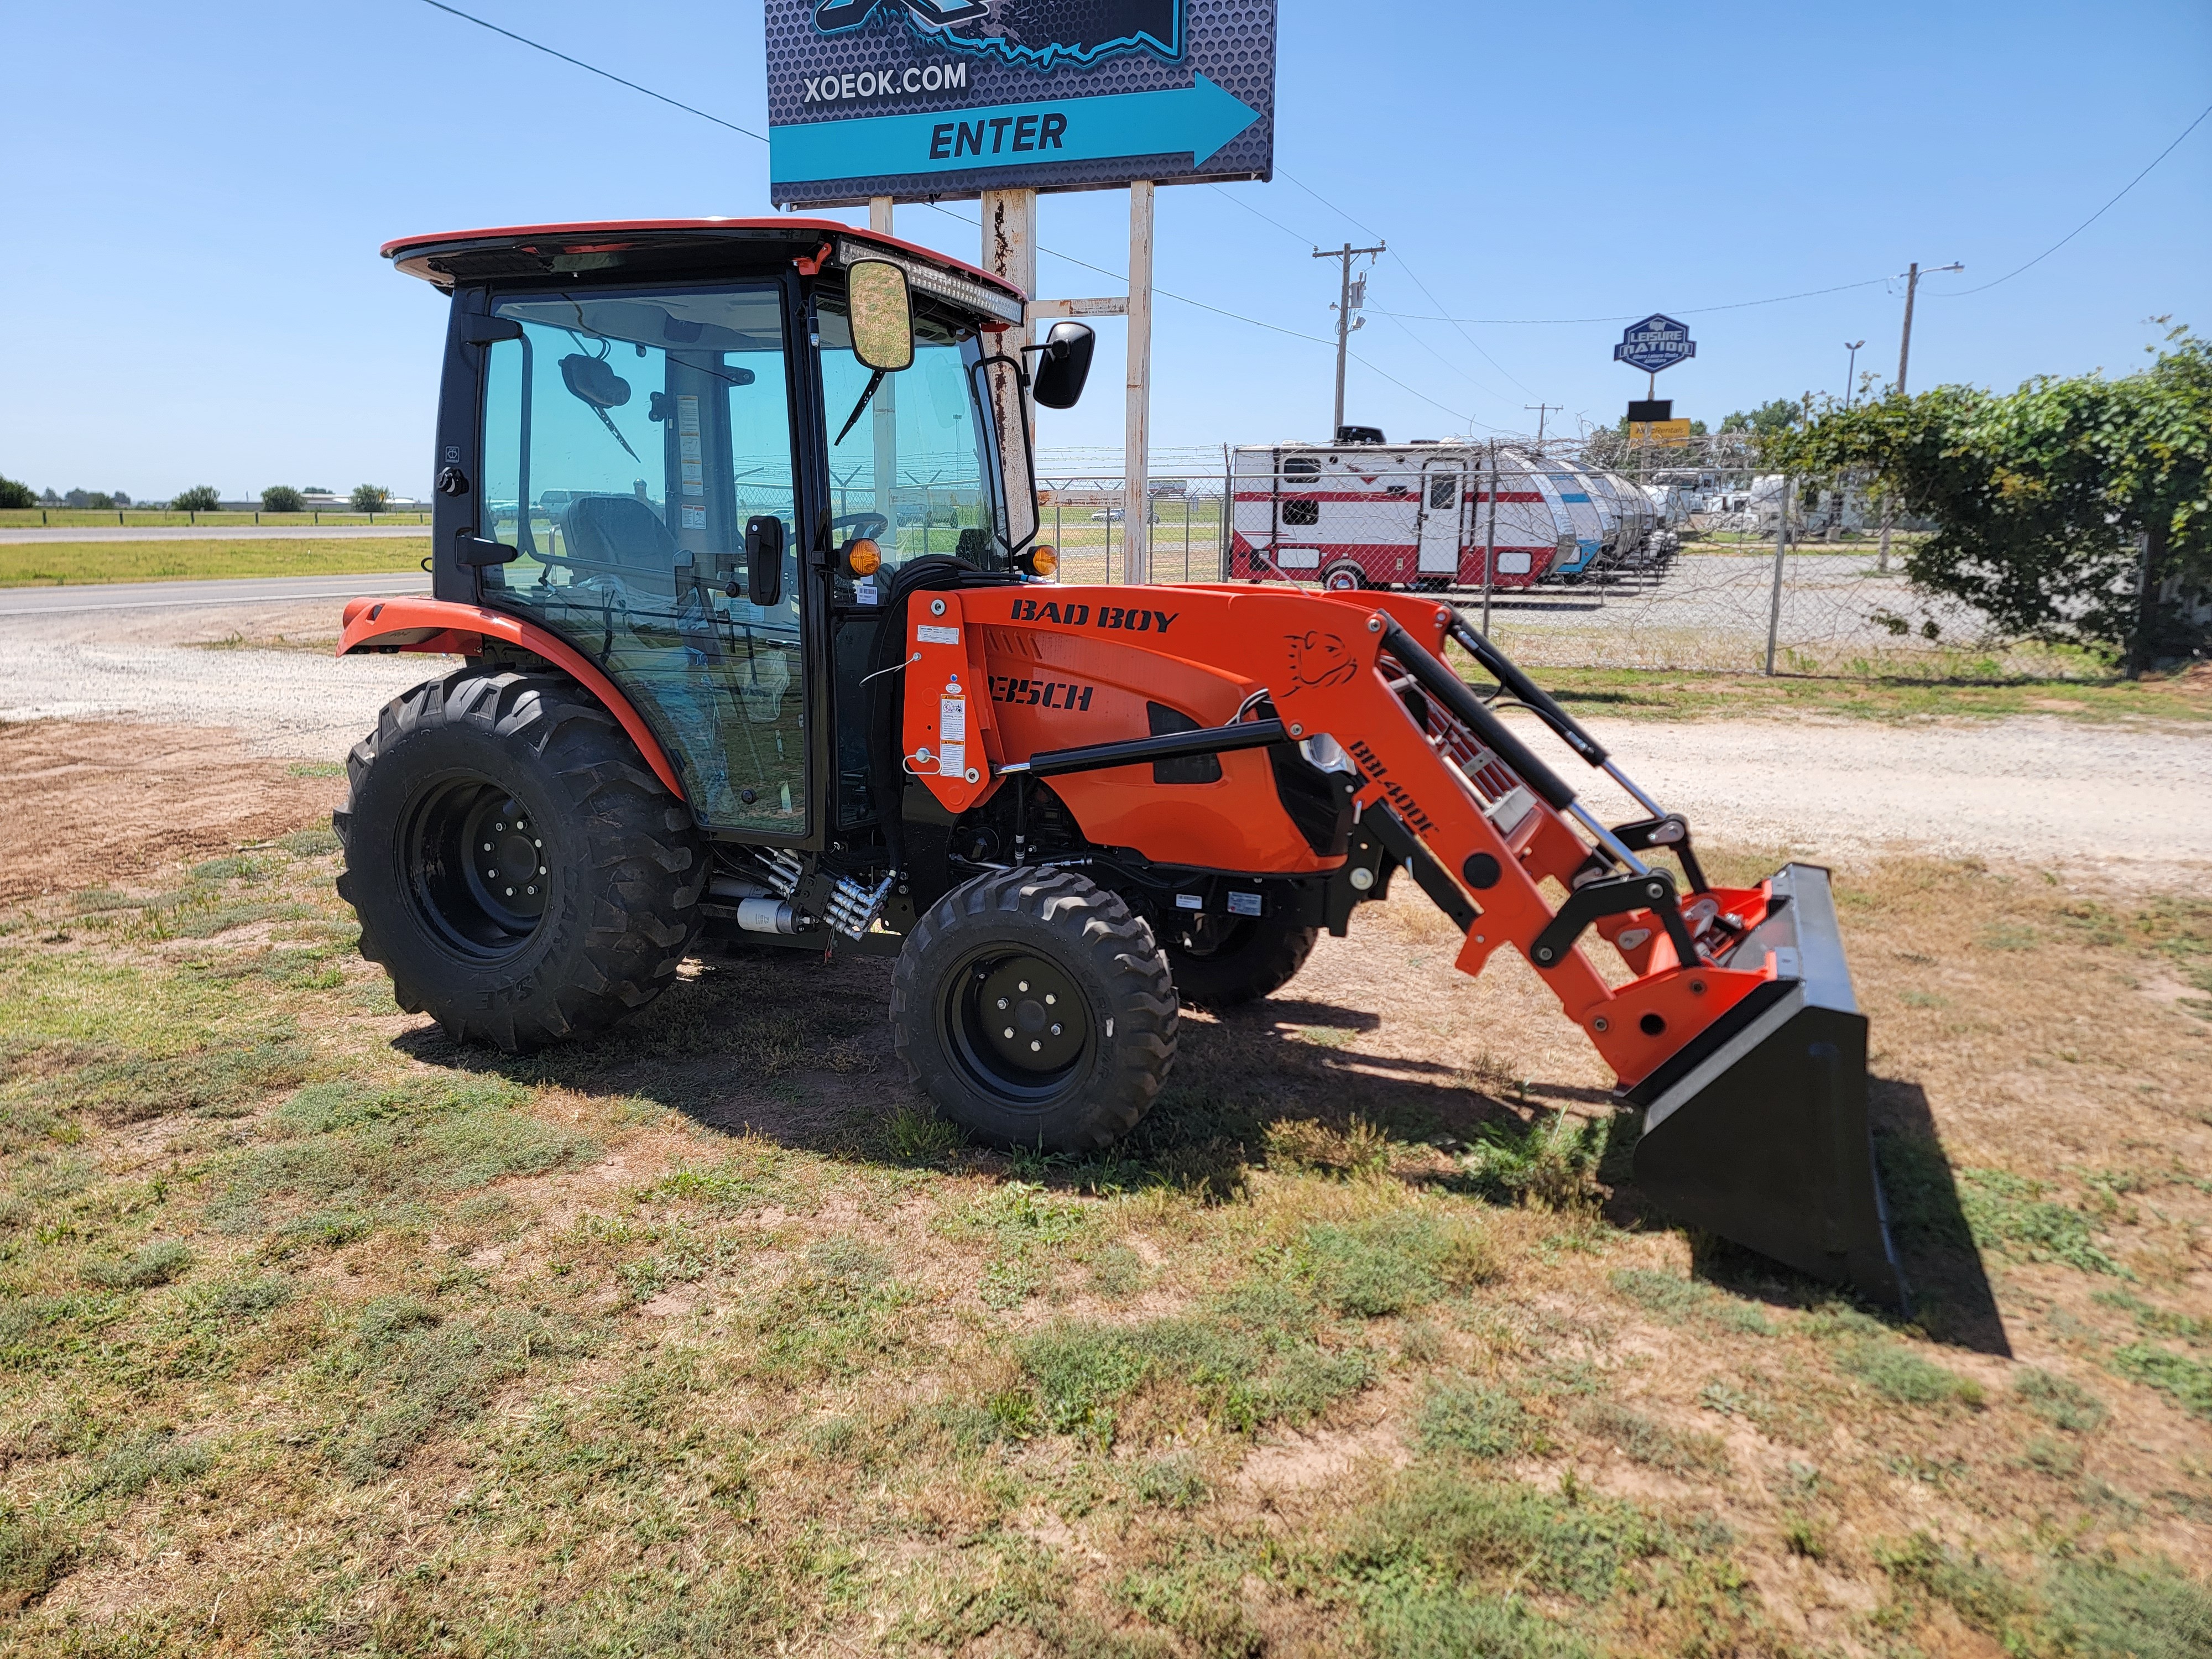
x: 1136, y: 512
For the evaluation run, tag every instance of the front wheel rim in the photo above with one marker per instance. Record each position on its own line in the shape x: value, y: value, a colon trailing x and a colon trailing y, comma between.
x: 1017, y: 1024
x: 477, y: 869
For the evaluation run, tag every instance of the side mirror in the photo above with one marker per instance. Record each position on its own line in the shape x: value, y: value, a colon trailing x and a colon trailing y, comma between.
x: 882, y: 315
x: 1063, y: 365
x: 764, y: 560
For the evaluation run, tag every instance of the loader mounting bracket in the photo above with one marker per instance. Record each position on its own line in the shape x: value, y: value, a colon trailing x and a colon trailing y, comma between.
x: 1390, y: 830
x: 1671, y: 832
x: 1611, y: 898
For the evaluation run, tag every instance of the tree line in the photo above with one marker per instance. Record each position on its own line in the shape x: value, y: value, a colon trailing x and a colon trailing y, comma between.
x: 200, y: 498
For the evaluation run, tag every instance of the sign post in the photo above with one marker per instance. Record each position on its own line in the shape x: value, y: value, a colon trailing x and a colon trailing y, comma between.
x: 884, y: 101
x: 1656, y: 342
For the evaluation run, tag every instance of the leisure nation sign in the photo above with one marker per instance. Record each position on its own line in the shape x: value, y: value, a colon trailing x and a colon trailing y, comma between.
x: 920, y: 99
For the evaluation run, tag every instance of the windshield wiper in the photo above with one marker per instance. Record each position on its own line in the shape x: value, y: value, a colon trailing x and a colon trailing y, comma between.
x: 874, y: 380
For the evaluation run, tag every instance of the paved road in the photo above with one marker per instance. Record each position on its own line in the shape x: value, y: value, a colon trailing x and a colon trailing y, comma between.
x: 245, y: 532
x: 81, y: 597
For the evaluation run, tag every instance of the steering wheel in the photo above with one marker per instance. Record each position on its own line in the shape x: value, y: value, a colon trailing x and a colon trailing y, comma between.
x: 871, y: 525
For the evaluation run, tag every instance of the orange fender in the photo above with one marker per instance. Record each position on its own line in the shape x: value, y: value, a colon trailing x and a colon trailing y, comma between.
x: 443, y: 628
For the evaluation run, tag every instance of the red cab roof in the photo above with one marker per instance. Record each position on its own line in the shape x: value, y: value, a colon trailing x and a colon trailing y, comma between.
x: 442, y: 259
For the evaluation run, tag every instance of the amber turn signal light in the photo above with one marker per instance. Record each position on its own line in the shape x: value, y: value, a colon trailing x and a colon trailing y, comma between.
x: 863, y: 558
x: 1041, y: 560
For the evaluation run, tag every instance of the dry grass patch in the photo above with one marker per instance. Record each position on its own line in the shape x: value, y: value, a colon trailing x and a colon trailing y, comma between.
x: 706, y: 1336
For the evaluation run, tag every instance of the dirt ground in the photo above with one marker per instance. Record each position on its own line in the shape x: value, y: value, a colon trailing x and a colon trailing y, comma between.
x: 87, y: 804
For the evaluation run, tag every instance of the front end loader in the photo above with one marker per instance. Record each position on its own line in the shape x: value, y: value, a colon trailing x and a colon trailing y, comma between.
x: 736, y: 533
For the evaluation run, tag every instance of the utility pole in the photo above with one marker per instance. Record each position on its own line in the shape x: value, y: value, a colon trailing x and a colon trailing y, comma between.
x: 1904, y: 359
x: 1542, y: 409
x: 1347, y: 303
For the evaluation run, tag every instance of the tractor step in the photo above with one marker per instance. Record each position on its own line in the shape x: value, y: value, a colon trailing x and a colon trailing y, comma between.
x: 1757, y: 1132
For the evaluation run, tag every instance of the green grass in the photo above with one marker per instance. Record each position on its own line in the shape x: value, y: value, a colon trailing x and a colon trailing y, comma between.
x: 1897, y: 1373
x: 2077, y: 689
x: 32, y: 564
x: 1482, y: 1422
x: 677, y: 1340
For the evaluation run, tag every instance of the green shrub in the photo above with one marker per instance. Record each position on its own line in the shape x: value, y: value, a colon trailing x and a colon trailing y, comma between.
x: 282, y: 498
x: 1550, y: 1164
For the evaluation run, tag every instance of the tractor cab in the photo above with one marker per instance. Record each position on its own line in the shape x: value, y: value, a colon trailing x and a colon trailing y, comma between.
x: 699, y: 454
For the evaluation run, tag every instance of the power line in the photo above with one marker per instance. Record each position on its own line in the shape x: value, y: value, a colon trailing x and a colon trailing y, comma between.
x: 535, y: 46
x: 1399, y: 255
x: 1630, y: 317
x: 2092, y: 219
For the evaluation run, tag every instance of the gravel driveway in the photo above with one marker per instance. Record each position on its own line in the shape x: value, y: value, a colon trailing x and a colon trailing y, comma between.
x: 2129, y: 801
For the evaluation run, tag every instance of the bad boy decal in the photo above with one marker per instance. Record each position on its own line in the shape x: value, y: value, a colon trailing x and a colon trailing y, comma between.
x: 1037, y: 33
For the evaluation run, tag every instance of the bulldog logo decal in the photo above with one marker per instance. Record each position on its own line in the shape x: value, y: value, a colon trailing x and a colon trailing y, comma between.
x: 1037, y: 33
x: 1319, y: 659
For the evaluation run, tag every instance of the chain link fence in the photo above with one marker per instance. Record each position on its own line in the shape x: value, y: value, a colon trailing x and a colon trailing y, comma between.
x: 1589, y: 553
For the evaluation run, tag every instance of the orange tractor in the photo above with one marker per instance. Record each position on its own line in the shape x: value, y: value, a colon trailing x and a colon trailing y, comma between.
x: 736, y: 530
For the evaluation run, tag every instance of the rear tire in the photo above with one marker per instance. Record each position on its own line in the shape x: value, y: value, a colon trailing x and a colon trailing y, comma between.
x: 1344, y: 577
x: 1240, y: 959
x: 1036, y: 1011
x: 516, y: 868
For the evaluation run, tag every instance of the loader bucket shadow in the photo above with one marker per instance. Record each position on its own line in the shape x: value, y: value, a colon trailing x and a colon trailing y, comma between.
x: 1951, y: 1288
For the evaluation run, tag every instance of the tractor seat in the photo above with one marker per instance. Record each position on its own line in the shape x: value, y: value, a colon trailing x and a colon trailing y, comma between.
x: 620, y: 536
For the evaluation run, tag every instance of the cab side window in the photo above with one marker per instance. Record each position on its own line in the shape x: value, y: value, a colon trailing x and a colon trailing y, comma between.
x: 627, y: 437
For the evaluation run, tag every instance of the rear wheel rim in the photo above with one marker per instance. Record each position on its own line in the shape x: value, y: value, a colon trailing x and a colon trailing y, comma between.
x: 1017, y: 1024
x: 477, y: 869
x: 1341, y: 581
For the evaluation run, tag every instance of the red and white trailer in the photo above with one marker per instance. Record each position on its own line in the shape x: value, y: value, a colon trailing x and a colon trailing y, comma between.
x: 1393, y: 515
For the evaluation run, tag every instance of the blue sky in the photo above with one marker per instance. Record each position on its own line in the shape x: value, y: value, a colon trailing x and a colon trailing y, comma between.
x: 196, y: 197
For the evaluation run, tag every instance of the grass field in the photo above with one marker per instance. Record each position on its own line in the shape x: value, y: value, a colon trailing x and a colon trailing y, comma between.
x: 32, y: 564
x: 130, y: 517
x: 318, y: 1333
x: 1661, y: 695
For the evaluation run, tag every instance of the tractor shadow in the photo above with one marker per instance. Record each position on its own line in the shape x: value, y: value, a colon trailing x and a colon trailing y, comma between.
x: 797, y: 1051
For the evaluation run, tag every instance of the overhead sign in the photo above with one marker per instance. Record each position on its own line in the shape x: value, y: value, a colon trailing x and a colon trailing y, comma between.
x: 922, y: 99
x: 1654, y: 344
x: 1667, y: 434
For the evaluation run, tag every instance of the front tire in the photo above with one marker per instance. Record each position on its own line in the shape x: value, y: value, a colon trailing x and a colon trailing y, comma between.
x: 1036, y: 1011
x: 1344, y: 577
x: 516, y: 869
x: 1226, y: 961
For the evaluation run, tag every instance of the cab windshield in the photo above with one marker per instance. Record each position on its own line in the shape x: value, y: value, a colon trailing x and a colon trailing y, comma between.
x: 913, y: 467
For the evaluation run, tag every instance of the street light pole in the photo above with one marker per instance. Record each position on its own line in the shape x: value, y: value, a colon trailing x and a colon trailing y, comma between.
x: 1851, y: 372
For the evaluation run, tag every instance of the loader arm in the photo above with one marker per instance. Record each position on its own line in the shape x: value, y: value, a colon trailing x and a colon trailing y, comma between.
x: 1502, y: 844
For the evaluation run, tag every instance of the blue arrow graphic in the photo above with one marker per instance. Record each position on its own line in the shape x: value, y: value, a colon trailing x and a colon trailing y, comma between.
x: 1199, y: 119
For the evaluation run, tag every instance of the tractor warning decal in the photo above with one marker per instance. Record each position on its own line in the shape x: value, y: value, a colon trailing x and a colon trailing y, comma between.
x: 1319, y: 659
